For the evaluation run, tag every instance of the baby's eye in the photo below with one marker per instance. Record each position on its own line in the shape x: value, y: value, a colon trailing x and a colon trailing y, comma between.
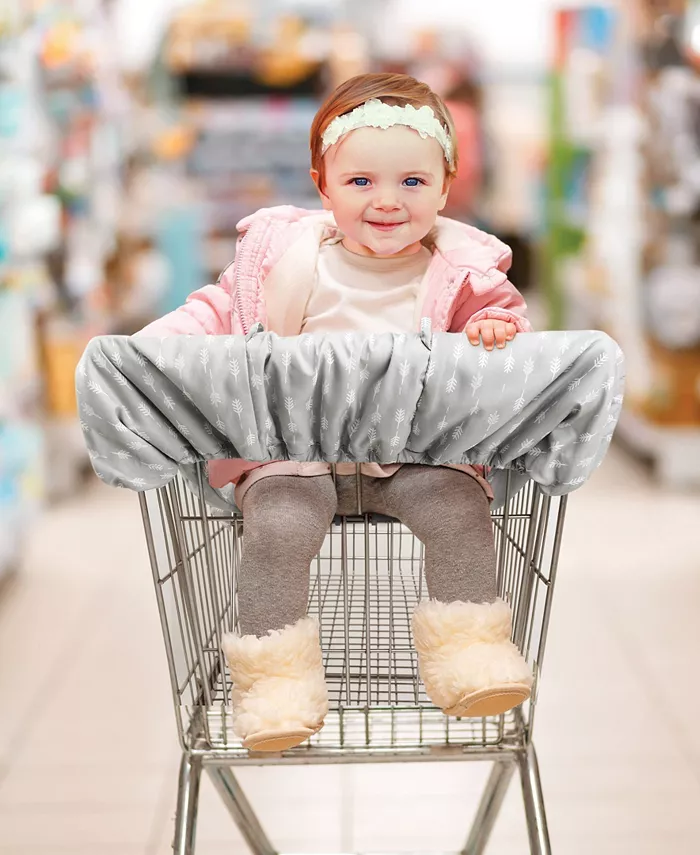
x: 360, y: 182
x: 414, y: 182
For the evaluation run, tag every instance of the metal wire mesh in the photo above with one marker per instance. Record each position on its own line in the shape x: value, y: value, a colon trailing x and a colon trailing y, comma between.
x: 366, y: 581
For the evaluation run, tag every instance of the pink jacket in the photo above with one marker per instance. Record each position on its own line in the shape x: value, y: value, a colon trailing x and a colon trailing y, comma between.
x: 273, y: 274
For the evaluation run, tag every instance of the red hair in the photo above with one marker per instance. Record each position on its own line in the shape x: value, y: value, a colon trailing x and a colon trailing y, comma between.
x: 395, y: 89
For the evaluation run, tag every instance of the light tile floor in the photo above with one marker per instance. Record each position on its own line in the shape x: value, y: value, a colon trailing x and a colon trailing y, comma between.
x: 88, y: 756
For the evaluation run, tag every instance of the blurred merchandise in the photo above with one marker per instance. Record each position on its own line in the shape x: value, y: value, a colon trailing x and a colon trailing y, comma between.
x: 584, y: 42
x: 672, y: 297
x: 463, y: 100
x: 225, y: 118
x: 21, y: 441
x: 62, y: 151
x: 624, y: 204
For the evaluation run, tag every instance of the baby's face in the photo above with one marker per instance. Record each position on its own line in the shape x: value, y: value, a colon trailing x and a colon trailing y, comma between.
x: 385, y: 188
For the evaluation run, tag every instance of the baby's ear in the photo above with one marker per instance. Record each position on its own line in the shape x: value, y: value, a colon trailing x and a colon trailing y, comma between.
x: 316, y: 178
x: 445, y: 191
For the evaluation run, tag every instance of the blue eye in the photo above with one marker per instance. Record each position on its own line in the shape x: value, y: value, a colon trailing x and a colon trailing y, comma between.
x: 417, y: 182
x: 356, y: 180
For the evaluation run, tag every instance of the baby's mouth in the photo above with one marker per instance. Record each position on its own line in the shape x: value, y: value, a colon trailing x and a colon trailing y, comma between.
x: 384, y: 227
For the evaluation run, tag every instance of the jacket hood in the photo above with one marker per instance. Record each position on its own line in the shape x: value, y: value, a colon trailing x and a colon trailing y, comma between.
x: 461, y: 245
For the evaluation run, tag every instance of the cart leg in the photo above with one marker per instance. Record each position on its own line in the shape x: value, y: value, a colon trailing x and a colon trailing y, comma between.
x: 187, y: 804
x: 534, y: 802
x: 239, y: 807
x: 489, y: 808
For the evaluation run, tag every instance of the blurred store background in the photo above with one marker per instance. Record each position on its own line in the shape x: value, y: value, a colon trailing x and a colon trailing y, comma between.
x: 134, y: 134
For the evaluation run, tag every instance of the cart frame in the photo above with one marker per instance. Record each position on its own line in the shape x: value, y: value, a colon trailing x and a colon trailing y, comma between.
x: 366, y: 581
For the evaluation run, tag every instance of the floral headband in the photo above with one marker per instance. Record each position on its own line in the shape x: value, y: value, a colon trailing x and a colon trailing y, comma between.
x: 376, y: 114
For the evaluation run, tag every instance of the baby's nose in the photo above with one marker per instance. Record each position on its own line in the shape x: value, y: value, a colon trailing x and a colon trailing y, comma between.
x: 386, y: 202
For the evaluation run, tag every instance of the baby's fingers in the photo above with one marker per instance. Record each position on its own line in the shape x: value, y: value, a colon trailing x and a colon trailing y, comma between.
x: 472, y: 332
x: 511, y: 331
x: 488, y: 337
x: 500, y: 332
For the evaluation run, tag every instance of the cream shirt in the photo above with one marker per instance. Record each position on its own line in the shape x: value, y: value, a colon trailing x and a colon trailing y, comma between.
x: 363, y: 293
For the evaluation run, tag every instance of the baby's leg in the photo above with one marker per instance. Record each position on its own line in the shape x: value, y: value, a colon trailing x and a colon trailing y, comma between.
x: 449, y: 512
x: 285, y: 520
x: 278, y: 692
x: 466, y: 659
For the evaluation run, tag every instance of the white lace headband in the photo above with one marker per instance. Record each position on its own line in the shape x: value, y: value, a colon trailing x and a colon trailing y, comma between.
x: 376, y: 114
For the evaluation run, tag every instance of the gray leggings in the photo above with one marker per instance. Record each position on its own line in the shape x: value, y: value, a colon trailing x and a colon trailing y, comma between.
x: 286, y: 518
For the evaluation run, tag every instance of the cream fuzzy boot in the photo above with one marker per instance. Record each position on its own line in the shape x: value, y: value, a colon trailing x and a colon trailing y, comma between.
x: 467, y: 662
x: 279, y: 691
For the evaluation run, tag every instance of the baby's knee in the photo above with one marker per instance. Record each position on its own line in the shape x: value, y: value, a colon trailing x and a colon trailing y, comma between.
x: 450, y: 502
x: 275, y: 505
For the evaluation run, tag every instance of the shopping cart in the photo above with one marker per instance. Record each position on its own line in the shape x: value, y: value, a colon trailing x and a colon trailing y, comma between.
x: 366, y: 582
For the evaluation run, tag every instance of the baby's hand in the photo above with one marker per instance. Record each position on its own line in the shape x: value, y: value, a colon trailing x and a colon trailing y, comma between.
x: 491, y: 331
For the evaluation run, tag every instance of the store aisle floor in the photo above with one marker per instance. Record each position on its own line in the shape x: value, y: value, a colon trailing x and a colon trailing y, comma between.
x: 88, y: 754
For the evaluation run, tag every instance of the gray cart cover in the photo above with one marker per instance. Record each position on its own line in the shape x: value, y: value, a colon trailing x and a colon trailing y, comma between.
x: 545, y: 406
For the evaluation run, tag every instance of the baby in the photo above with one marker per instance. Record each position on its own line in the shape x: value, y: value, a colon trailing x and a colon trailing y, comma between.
x: 377, y: 259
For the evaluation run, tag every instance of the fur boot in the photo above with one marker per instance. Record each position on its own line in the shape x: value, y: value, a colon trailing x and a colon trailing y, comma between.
x: 467, y: 662
x: 279, y: 692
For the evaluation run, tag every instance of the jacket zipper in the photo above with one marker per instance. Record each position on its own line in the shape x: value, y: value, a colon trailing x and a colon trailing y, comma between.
x: 453, y: 302
x: 239, y: 302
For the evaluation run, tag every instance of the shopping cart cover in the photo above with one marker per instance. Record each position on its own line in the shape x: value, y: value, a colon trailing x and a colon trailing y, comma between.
x: 545, y: 406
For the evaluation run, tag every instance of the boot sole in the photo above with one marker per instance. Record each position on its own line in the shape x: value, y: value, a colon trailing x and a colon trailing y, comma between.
x: 495, y: 700
x: 275, y: 740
